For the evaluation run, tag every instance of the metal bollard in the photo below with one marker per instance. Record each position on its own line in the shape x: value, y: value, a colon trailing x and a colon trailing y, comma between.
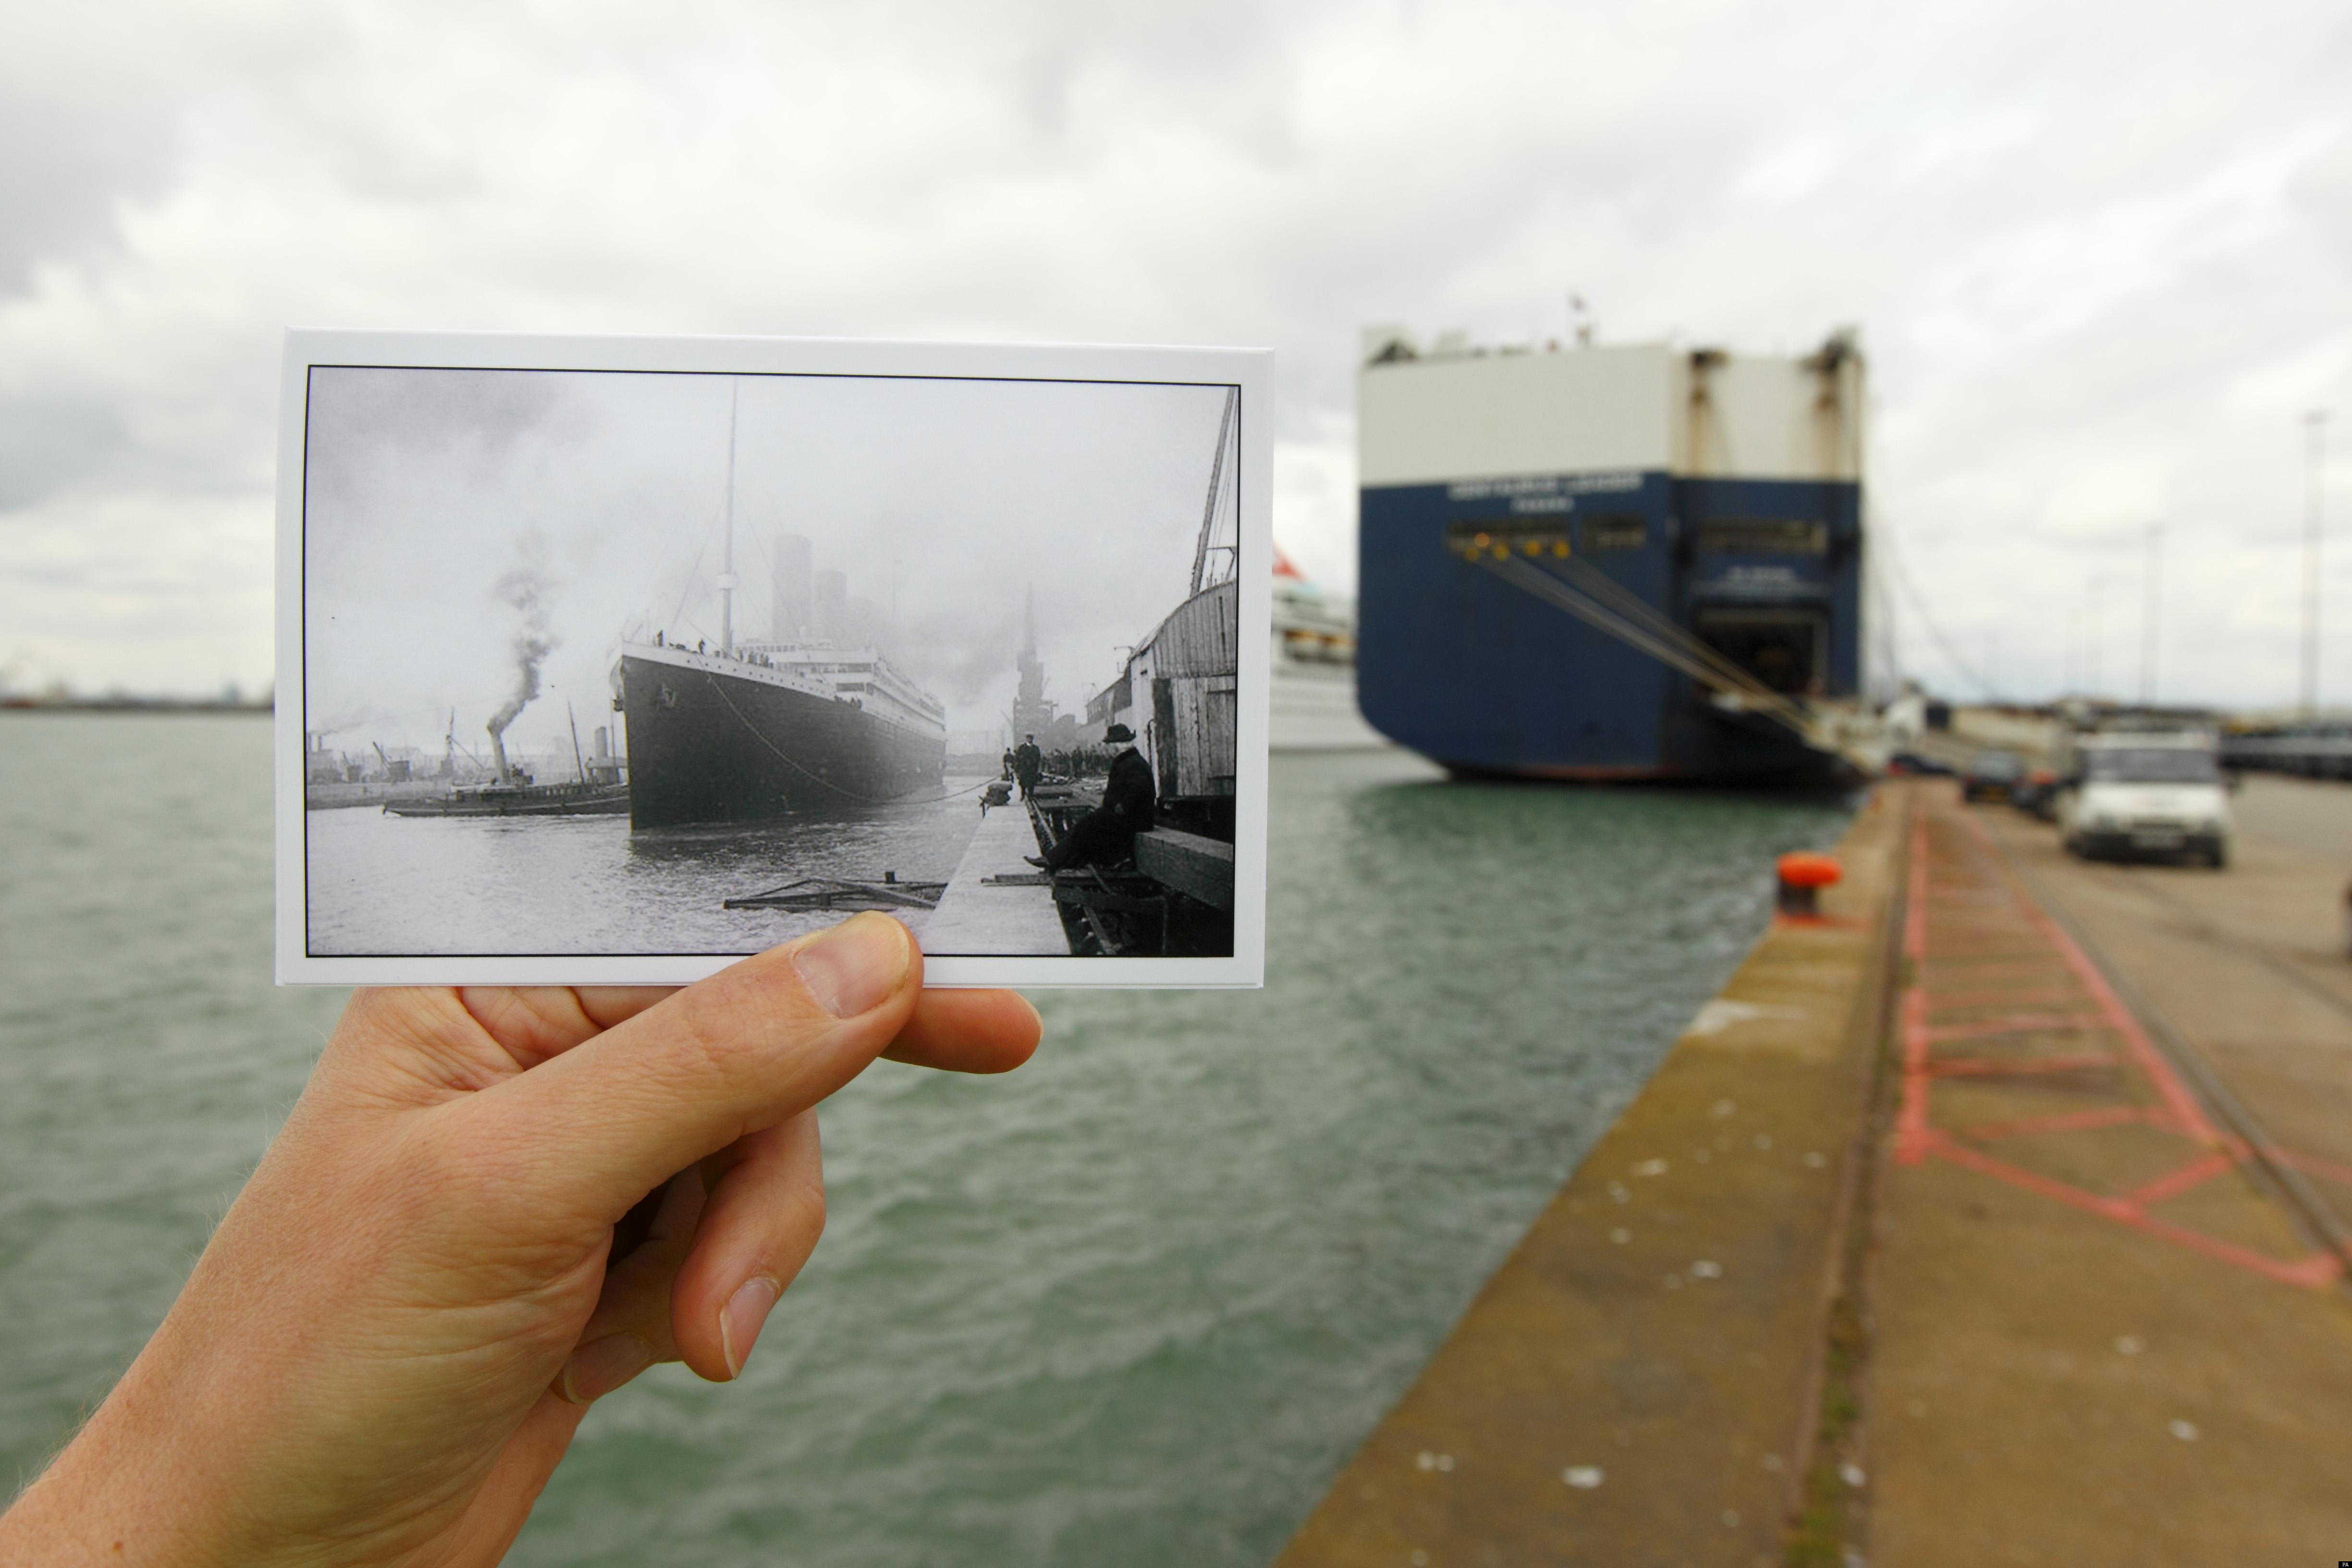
x: 1802, y: 875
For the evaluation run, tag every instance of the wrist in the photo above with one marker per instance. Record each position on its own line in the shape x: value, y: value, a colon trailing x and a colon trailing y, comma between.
x: 131, y: 1487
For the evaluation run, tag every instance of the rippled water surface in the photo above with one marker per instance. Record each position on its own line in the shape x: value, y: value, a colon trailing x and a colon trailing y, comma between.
x: 384, y: 884
x: 1133, y: 1304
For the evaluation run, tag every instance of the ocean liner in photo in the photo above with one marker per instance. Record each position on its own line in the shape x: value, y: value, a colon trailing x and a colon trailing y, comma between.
x: 752, y: 731
x: 812, y: 718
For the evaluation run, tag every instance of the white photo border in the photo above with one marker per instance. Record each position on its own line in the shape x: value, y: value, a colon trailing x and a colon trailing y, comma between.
x: 1250, y: 370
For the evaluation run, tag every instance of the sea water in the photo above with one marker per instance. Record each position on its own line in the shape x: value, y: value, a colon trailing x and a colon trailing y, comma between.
x: 475, y: 885
x: 1135, y: 1304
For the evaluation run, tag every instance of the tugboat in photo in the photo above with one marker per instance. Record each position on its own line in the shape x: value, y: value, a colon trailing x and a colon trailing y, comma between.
x: 811, y: 718
x: 510, y: 791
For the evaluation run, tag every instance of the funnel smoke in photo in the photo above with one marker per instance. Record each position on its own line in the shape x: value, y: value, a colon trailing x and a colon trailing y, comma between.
x: 521, y: 591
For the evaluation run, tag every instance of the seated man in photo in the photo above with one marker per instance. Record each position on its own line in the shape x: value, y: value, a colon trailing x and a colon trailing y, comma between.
x: 1106, y: 836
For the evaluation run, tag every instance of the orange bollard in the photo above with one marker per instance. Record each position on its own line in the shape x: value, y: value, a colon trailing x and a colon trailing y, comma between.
x: 1803, y: 876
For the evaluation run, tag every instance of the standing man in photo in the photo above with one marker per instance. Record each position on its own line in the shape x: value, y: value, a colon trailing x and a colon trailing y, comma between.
x: 1028, y: 765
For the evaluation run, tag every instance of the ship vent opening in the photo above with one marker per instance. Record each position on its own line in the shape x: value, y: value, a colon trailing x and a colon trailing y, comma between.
x: 1786, y: 650
x: 1613, y: 532
x: 1763, y: 536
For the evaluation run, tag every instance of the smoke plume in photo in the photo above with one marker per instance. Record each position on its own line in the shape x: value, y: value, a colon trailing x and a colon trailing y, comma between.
x: 522, y: 591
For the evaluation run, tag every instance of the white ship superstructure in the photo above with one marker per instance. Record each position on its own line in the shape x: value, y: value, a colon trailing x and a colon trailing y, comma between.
x: 1313, y: 694
x: 859, y: 677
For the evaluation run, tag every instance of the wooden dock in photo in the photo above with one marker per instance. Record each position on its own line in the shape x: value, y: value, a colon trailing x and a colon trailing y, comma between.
x: 980, y: 915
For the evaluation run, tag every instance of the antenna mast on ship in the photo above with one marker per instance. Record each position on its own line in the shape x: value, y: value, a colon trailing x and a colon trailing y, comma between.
x: 726, y: 565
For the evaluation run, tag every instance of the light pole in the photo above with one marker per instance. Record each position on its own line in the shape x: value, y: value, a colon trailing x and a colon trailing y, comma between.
x: 2316, y: 423
x: 2147, y: 622
x: 2094, y: 670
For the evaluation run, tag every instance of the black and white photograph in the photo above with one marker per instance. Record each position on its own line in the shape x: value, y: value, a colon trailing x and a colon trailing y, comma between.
x: 621, y: 659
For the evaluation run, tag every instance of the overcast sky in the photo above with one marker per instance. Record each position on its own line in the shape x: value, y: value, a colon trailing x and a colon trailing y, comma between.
x: 2100, y: 253
x: 448, y: 512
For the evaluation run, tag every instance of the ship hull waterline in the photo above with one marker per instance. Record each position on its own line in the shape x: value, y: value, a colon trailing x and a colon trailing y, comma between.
x: 709, y: 747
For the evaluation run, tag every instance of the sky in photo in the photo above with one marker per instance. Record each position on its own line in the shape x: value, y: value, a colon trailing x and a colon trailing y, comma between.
x: 2100, y: 254
x: 449, y: 511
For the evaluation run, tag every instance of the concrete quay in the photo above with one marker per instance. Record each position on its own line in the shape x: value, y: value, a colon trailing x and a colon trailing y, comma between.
x: 1997, y: 1218
x: 1638, y: 1382
x: 979, y: 914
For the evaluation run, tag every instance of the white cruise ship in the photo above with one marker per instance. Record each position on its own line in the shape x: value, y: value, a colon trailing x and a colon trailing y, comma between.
x: 1313, y: 706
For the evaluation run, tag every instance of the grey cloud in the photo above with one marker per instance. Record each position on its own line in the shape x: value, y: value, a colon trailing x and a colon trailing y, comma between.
x: 48, y: 442
x: 69, y: 167
x: 2006, y: 196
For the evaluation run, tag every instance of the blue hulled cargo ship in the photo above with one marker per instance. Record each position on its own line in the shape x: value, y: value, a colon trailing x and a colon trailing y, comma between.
x: 1614, y: 562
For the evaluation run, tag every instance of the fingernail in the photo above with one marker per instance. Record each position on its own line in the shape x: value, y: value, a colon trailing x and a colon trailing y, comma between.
x: 854, y: 967
x: 739, y: 1324
x: 602, y: 1366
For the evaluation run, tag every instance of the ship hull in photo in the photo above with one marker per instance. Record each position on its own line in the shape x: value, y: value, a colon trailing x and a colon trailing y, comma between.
x: 710, y: 744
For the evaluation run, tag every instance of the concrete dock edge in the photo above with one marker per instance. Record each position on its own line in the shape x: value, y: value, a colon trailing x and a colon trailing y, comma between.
x: 1640, y: 1381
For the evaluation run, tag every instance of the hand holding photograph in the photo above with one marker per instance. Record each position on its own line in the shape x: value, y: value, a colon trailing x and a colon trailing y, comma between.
x: 614, y: 660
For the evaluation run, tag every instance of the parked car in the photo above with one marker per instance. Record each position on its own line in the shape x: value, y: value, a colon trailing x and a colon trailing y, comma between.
x: 2147, y: 793
x: 1914, y: 763
x: 2036, y: 794
x: 1992, y: 775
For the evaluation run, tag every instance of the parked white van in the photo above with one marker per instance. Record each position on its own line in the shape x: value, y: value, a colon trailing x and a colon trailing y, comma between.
x: 2146, y: 792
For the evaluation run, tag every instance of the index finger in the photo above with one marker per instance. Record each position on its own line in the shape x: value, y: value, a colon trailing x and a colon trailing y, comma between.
x: 968, y: 1031
x: 761, y: 1040
x: 609, y: 1004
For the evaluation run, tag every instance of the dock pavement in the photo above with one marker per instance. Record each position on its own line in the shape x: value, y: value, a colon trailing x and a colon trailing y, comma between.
x: 1995, y: 1218
x: 2110, y: 1321
x: 978, y: 916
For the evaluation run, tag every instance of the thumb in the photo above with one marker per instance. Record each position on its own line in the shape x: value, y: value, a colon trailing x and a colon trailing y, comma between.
x: 762, y: 1040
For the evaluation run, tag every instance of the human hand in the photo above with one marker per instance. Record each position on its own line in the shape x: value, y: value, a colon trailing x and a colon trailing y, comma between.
x: 390, y: 1340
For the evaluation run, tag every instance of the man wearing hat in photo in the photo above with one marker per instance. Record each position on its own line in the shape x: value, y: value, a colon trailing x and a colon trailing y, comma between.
x: 1105, y: 835
x: 1028, y: 765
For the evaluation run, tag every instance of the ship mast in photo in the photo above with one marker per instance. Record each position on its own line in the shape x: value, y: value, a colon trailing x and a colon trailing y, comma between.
x: 812, y: 718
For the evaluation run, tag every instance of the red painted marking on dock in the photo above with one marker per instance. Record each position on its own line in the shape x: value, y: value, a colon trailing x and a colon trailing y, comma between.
x: 1995, y: 997
x: 2044, y: 965
x: 1950, y: 953
x: 2328, y: 1169
x: 1911, y: 1135
x: 2065, y: 1121
x: 2187, y: 1114
x: 2173, y: 1184
x: 1996, y: 1067
x: 2316, y: 1270
x: 2020, y: 1023
x: 1966, y: 912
